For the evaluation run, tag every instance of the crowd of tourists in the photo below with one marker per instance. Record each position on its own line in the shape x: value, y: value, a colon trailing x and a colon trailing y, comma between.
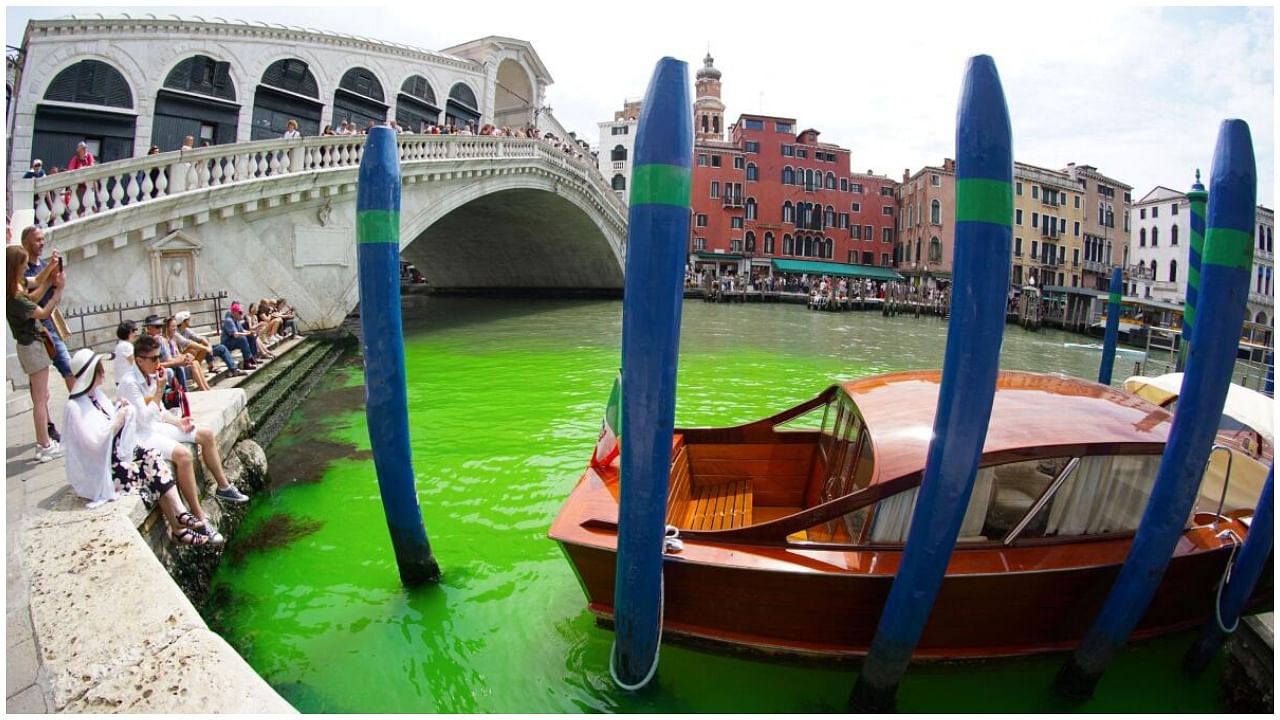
x: 137, y: 442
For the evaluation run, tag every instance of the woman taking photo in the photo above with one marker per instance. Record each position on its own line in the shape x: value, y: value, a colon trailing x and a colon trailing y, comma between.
x: 30, y: 335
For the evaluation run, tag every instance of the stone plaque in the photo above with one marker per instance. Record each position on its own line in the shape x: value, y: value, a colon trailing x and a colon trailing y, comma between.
x: 323, y: 246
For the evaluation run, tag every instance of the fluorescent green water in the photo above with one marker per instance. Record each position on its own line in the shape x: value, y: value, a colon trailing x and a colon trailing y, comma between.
x: 506, y: 399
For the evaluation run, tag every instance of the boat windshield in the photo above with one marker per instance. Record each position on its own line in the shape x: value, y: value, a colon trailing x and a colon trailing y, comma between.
x: 844, y: 465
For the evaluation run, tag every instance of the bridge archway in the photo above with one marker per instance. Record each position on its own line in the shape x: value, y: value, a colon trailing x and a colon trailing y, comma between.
x: 515, y: 97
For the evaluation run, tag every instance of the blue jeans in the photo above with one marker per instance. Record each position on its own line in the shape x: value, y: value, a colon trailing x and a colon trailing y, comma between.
x: 241, y: 343
x: 222, y: 352
x: 61, y: 358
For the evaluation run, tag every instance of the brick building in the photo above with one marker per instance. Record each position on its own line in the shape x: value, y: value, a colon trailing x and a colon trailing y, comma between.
x: 771, y: 193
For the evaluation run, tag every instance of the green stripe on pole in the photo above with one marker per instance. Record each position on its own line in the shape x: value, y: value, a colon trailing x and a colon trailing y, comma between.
x: 1114, y: 297
x: 1231, y: 248
x: 989, y: 201
x: 658, y: 184
x: 1188, y: 320
x: 378, y: 226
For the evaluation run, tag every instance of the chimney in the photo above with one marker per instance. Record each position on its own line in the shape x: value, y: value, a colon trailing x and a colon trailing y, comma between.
x: 949, y: 165
x: 906, y: 174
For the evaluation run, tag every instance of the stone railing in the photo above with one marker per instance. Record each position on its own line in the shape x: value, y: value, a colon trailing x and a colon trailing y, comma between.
x: 69, y: 197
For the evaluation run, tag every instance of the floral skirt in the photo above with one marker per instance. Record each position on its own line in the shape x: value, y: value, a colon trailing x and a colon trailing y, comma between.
x: 146, y: 473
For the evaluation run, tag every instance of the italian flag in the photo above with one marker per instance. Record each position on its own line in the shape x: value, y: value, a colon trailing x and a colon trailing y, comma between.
x: 607, y: 446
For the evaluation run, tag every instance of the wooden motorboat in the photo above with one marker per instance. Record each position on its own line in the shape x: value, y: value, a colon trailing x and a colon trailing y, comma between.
x: 792, y: 527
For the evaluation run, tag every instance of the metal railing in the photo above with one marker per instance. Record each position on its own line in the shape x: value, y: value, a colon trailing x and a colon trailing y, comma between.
x: 71, y: 196
x: 94, y: 326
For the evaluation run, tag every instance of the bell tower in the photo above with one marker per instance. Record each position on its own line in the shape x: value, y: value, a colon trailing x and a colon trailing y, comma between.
x: 708, y: 110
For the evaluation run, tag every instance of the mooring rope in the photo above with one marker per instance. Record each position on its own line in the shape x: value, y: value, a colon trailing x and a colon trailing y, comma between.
x: 671, y: 543
x: 1222, y: 583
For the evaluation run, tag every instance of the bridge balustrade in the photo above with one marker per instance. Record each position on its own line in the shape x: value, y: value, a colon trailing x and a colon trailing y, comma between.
x: 71, y: 196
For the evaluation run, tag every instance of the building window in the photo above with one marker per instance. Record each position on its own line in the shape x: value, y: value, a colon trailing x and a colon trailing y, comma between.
x: 700, y: 220
x: 752, y: 146
x: 935, y: 180
x: 618, y: 154
x: 1035, y: 192
x: 1142, y: 237
x: 935, y: 212
x: 884, y: 259
x: 1017, y: 216
x: 1017, y: 247
x: 1035, y: 248
x: 1174, y: 208
x: 867, y: 233
x: 788, y: 176
x: 715, y: 188
x: 788, y: 245
x: 801, y: 153
x: 699, y: 243
x: 739, y: 162
x: 831, y: 181
x: 855, y: 187
x: 935, y: 249
x: 1142, y: 214
x: 752, y: 124
x: 735, y: 223
x: 751, y: 208
x: 886, y: 191
x: 619, y: 182
x: 751, y: 242
x: 1075, y: 256
x: 1017, y: 189
x: 1173, y: 232
x: 702, y: 161
x: 715, y: 161
x: 768, y: 243
x: 1173, y: 271
x: 735, y: 246
x: 844, y: 184
x: 753, y: 173
x: 784, y: 127
x: 1155, y: 212
x: 1075, y: 228
x: 856, y: 207
x: 788, y: 213
x: 886, y: 235
x: 1155, y: 236
x: 886, y: 210
x: 788, y: 151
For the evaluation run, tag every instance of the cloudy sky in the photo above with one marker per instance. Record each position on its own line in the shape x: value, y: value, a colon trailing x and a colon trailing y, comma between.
x: 1138, y: 92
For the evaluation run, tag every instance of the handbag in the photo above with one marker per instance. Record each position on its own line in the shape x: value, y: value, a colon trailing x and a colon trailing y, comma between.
x: 175, y: 398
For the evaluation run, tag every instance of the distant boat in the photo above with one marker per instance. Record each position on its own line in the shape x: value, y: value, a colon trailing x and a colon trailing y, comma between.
x: 792, y: 527
x: 1098, y: 347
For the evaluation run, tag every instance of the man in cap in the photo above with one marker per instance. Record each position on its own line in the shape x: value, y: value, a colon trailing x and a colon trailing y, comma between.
x: 236, y: 337
x: 190, y: 342
x: 37, y: 169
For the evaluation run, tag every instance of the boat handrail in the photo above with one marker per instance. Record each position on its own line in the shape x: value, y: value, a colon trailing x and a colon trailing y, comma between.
x: 1041, y: 502
x: 1226, y: 475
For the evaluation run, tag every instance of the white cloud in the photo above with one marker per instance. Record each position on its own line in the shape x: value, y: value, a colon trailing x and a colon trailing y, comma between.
x: 1136, y: 91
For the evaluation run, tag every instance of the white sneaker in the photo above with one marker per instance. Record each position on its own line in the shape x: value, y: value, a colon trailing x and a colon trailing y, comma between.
x: 45, y: 453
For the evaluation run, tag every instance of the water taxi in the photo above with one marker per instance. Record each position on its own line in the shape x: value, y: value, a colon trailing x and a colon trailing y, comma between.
x: 791, y: 528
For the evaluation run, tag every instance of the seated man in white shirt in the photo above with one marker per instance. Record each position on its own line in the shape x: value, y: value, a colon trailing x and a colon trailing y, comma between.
x: 166, y: 432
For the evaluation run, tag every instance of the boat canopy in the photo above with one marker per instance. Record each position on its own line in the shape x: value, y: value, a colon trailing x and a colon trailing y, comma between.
x: 813, y: 267
x: 1245, y: 406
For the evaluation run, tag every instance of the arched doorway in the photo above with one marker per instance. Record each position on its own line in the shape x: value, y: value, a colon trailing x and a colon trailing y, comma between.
x: 198, y: 99
x: 416, y: 104
x: 288, y: 91
x: 359, y: 98
x: 461, y: 107
x: 514, y: 98
x: 99, y: 113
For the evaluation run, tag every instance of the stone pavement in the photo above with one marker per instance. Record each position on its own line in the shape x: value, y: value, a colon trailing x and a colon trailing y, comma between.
x: 94, y: 623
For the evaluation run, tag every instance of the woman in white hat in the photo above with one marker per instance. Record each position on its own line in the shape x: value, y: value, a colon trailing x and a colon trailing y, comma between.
x: 101, y: 451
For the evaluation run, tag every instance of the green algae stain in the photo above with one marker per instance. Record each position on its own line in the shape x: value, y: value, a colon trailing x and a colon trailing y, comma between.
x: 505, y: 403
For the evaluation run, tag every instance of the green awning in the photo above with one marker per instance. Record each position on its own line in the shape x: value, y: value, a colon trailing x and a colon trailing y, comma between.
x: 814, y: 267
x: 716, y: 257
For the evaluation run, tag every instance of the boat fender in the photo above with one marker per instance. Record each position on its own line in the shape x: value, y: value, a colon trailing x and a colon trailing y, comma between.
x: 1222, y: 583
x: 671, y: 542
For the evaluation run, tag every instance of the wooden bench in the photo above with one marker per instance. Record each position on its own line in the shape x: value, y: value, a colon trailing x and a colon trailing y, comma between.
x: 694, y: 505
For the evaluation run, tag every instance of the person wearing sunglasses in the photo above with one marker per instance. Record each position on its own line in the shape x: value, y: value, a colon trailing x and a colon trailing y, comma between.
x: 165, y: 431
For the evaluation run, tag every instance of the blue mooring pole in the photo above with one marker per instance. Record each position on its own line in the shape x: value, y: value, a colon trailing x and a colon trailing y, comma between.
x: 1112, y: 335
x: 1220, y: 312
x: 386, y: 407
x: 658, y: 232
x: 984, y: 234
x: 1245, y: 572
x: 1197, y: 198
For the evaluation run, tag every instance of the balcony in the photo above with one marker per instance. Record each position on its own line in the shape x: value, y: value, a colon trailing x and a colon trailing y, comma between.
x: 1095, y: 267
x: 732, y: 201
x: 1257, y: 298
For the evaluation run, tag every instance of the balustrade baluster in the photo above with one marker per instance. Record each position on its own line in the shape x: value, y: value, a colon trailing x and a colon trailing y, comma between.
x: 229, y: 169
x: 161, y: 182
x: 131, y: 188
x: 72, y: 199
x: 273, y: 167
x: 117, y: 192
x: 42, y: 209
x: 215, y: 172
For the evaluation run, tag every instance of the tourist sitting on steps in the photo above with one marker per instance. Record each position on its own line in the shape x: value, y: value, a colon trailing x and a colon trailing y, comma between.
x: 122, y: 354
x: 103, y: 455
x: 236, y: 337
x: 169, y: 342
x: 166, y: 432
x: 189, y: 341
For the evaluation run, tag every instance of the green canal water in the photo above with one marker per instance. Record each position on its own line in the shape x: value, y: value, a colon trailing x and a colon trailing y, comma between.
x: 505, y: 401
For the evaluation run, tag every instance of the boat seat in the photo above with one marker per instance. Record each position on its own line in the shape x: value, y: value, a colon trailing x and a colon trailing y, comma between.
x: 1017, y: 486
x: 719, y: 507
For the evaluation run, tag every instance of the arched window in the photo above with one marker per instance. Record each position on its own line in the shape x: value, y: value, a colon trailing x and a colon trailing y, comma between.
x: 1155, y: 237
x: 751, y: 242
x: 359, y: 98
x: 808, y: 246
x: 618, y: 154
x: 300, y: 100
x: 788, y: 245
x: 808, y: 179
x: 1142, y: 237
x: 1173, y: 236
x: 768, y: 243
x: 1155, y: 275
x: 751, y: 208
x: 58, y: 129
x: 918, y: 241
x: 1173, y: 271
x: 788, y: 176
x: 461, y: 106
x: 935, y: 212
x: 829, y: 217
x: 935, y: 249
x: 202, y: 75
x: 831, y: 181
x: 91, y: 82
x: 1268, y: 291
x: 753, y: 173
x: 829, y: 247
x: 802, y: 214
x: 1258, y: 289
x: 788, y: 213
x: 198, y: 99
x: 416, y: 104
x: 619, y: 182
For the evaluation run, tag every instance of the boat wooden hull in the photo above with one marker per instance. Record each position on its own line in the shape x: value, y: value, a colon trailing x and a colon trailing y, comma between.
x: 809, y: 612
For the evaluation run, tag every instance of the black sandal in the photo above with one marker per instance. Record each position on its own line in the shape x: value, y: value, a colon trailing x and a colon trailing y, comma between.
x: 187, y: 536
x: 187, y: 520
